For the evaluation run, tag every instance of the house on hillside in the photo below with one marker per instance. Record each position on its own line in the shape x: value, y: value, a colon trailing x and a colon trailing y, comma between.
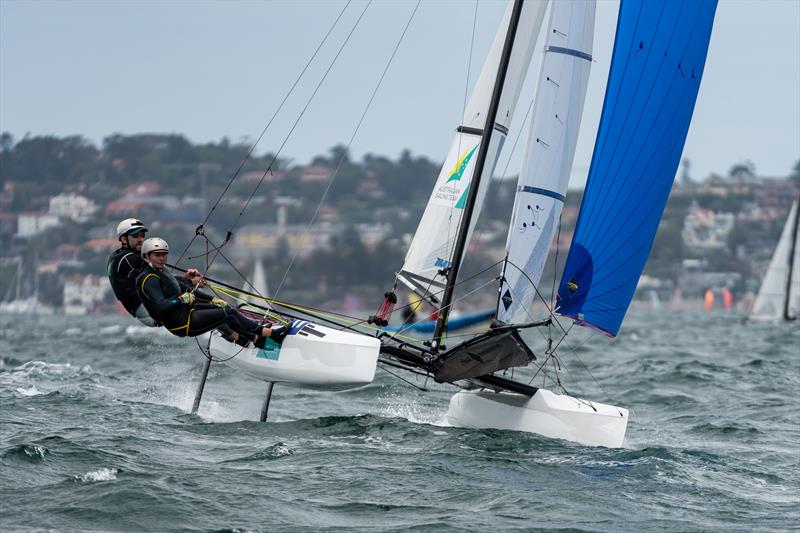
x: 268, y: 176
x: 315, y: 174
x: 30, y: 224
x: 706, y: 231
x: 72, y: 206
x: 144, y: 188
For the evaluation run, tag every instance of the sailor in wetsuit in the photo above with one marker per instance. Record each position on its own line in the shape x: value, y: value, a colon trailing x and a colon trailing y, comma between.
x: 126, y: 263
x: 188, y: 313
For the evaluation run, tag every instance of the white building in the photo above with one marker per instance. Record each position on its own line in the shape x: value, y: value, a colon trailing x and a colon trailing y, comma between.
x: 72, y: 206
x: 706, y: 231
x: 84, y: 294
x: 30, y: 224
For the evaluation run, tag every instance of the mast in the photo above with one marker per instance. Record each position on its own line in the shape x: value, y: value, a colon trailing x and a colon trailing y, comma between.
x: 463, y: 230
x: 792, y: 251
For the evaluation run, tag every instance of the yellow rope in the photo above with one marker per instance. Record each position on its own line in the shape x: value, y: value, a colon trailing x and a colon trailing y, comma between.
x: 333, y: 316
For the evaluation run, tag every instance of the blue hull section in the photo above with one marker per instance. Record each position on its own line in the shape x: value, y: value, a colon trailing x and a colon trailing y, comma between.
x: 460, y: 322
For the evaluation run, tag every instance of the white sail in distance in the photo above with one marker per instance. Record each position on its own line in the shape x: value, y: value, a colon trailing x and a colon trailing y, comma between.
x: 769, y: 303
x: 556, y: 120
x: 431, y: 250
x: 259, y: 284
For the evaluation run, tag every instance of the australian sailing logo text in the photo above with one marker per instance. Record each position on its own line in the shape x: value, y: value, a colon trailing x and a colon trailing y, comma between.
x: 449, y: 192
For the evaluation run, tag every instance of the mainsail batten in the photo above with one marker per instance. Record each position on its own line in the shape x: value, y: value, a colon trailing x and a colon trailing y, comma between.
x: 656, y: 68
x: 553, y: 134
x: 430, y: 254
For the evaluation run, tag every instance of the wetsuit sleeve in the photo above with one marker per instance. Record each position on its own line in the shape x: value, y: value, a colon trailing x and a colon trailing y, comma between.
x: 151, y: 289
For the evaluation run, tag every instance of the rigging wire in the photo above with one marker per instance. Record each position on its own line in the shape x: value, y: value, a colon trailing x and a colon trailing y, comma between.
x: 440, y: 291
x: 264, y: 131
x: 294, y: 125
x: 207, y: 353
x: 460, y: 136
x: 573, y: 349
x: 331, y: 315
x: 383, y: 367
x: 352, y: 138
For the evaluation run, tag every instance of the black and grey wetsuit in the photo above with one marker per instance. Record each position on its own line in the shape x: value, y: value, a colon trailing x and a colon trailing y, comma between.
x: 124, y: 265
x: 159, y: 291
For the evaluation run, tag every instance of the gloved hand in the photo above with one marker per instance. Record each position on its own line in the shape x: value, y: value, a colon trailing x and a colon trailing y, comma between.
x: 187, y: 298
x: 219, y: 302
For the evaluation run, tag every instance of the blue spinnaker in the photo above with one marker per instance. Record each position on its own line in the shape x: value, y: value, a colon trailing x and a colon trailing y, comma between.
x: 659, y: 54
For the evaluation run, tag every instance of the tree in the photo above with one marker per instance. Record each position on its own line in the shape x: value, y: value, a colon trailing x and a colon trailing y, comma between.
x: 743, y: 171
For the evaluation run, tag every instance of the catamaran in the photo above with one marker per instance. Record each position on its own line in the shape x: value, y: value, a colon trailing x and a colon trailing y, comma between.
x: 779, y: 295
x: 657, y: 64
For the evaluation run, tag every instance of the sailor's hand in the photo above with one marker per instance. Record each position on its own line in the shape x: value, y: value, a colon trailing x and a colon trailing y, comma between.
x: 196, y: 277
x: 187, y: 298
x: 219, y: 302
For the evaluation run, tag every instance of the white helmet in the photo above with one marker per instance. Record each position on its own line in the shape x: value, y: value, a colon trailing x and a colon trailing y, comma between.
x: 154, y: 244
x: 128, y: 225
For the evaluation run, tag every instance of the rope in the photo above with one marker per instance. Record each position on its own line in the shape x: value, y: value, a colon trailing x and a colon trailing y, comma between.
x: 342, y: 319
x: 294, y: 125
x: 264, y: 131
x: 207, y: 352
x: 463, y: 113
x: 423, y: 389
x: 350, y: 142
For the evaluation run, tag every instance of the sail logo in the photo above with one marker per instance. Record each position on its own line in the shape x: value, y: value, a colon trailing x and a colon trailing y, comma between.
x: 507, y: 299
x: 271, y: 351
x: 442, y: 263
x: 572, y: 286
x: 461, y: 165
x: 449, y: 193
x: 533, y: 218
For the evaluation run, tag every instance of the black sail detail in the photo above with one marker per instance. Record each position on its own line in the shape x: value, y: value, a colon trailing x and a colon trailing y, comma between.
x: 483, y: 355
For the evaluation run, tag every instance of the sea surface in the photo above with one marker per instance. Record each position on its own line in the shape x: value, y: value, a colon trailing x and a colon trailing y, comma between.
x: 96, y: 434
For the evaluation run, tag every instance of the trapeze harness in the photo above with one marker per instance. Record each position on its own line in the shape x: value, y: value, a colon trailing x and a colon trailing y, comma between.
x: 159, y: 291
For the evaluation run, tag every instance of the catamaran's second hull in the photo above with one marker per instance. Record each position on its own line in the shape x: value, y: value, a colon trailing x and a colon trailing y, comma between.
x: 310, y: 356
x: 545, y: 413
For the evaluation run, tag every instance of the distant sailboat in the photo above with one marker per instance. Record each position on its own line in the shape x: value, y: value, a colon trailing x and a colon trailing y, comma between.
x: 779, y: 296
x: 259, y: 282
x: 655, y: 301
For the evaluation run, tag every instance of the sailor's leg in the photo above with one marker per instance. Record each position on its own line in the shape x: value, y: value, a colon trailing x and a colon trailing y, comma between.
x: 144, y: 317
x: 205, y: 319
x: 231, y: 336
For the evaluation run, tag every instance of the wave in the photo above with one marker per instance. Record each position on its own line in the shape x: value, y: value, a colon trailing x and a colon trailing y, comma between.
x: 33, y: 453
x: 104, y: 474
x: 276, y: 451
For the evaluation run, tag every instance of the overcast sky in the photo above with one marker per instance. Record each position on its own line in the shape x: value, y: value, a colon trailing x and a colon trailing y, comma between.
x: 211, y: 69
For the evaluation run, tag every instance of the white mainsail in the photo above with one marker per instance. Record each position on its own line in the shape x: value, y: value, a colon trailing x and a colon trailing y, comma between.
x: 556, y: 121
x: 769, y: 304
x: 431, y: 249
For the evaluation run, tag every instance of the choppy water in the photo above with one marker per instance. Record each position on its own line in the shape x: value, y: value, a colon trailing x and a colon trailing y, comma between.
x: 97, y: 435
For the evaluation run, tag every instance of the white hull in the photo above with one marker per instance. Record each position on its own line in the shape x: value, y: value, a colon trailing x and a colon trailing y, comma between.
x: 545, y: 413
x: 310, y: 356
